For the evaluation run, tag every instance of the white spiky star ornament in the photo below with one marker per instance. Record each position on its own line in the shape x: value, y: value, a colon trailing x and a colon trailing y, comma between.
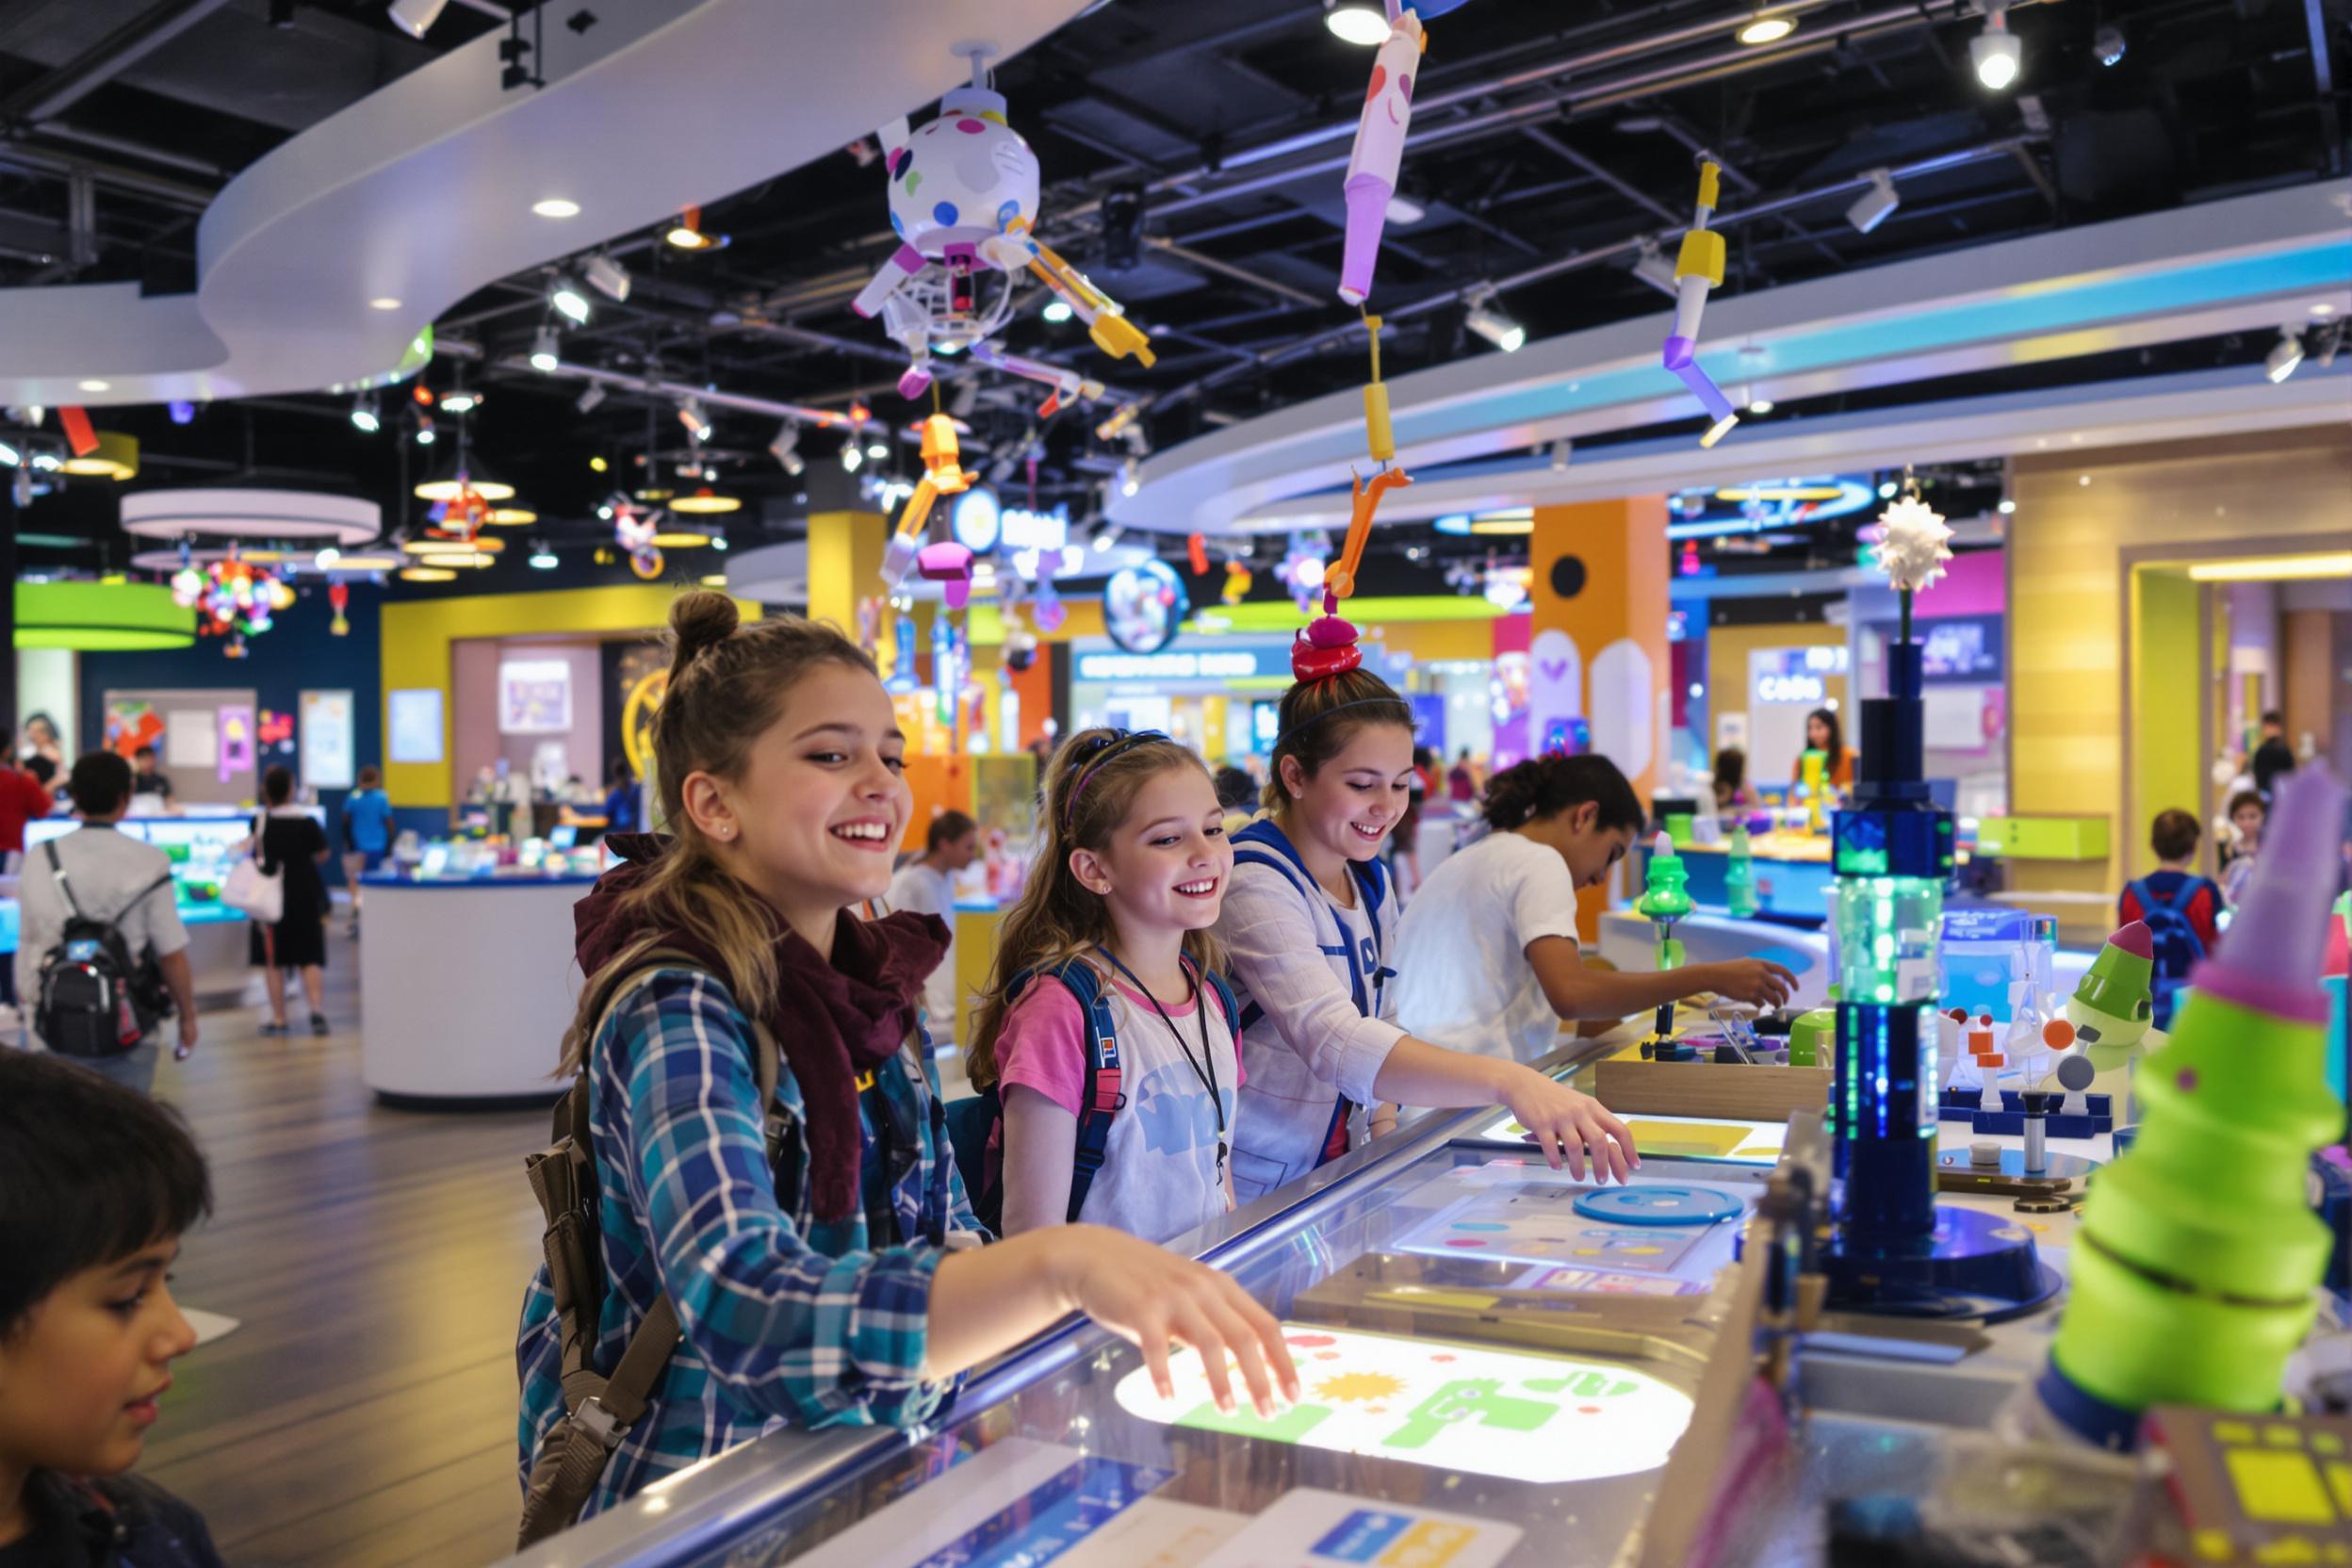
x: 1913, y: 544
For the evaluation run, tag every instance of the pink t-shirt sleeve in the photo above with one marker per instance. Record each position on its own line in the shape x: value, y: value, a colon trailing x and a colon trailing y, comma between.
x: 1044, y: 1044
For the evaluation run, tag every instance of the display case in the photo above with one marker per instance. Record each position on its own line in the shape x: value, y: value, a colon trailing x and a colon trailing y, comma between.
x: 1495, y: 1360
x: 201, y: 849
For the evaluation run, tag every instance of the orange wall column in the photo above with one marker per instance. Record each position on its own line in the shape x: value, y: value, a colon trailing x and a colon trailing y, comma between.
x: 1597, y: 651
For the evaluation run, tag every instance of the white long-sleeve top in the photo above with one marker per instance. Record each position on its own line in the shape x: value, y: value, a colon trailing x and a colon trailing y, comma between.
x: 1312, y: 1045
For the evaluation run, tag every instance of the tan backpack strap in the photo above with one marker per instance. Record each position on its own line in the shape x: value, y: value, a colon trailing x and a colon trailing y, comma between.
x: 575, y: 1453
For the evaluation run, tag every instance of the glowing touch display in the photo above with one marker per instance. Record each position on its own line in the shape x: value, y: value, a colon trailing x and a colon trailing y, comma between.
x: 1543, y: 1419
x: 1688, y: 1137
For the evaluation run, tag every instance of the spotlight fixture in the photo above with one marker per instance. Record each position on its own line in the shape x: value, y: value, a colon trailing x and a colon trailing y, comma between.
x: 598, y: 464
x: 183, y: 412
x: 697, y: 423
x: 853, y: 456
x: 687, y: 233
x: 541, y: 556
x: 1363, y: 25
x: 365, y: 419
x: 1652, y: 268
x: 586, y: 403
x: 1873, y: 207
x: 1489, y: 321
x: 2107, y: 44
x: 1122, y: 217
x: 1886, y: 489
x: 569, y: 302
x: 784, y: 449
x: 2007, y: 507
x: 415, y: 17
x: 9, y: 456
x: 2284, y: 357
x: 1764, y: 28
x: 1130, y: 477
x: 1997, y: 52
x: 606, y: 276
x: 544, y: 356
x: 878, y: 451
x: 1056, y: 311
x: 458, y: 400
x: 424, y: 431
x: 556, y: 206
x: 1404, y: 211
x: 1107, y: 540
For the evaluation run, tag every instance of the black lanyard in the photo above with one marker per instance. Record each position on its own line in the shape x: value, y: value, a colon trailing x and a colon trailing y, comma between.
x: 1205, y: 1069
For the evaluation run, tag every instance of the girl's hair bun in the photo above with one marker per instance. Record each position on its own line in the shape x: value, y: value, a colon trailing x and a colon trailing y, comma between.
x: 698, y: 621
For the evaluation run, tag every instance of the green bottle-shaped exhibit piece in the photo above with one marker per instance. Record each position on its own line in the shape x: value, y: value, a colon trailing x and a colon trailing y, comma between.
x: 1740, y: 881
x: 2200, y: 1249
x: 1665, y: 899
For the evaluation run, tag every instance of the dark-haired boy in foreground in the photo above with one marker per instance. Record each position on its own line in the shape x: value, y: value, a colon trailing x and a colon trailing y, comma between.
x: 97, y: 1185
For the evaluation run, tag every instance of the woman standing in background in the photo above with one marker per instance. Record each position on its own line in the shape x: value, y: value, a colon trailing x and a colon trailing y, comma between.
x: 291, y: 843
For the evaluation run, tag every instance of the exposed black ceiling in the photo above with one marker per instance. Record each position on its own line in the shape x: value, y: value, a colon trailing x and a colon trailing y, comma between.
x: 1534, y: 146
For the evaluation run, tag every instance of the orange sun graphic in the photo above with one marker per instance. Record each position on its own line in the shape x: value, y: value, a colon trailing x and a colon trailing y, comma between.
x: 1350, y: 1386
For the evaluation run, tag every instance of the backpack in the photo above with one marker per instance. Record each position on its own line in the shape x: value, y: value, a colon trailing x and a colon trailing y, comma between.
x: 2173, y: 939
x: 973, y: 1123
x: 92, y: 1000
x: 599, y: 1411
x: 1262, y: 843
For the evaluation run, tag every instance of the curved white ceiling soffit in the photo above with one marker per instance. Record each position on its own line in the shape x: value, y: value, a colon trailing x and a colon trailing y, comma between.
x: 2254, y: 263
x: 422, y: 192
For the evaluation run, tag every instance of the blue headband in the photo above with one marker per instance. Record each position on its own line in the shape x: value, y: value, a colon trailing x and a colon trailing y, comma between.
x: 1104, y: 749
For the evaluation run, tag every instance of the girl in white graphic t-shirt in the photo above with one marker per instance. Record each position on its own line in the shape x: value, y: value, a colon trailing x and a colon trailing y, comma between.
x: 1110, y: 942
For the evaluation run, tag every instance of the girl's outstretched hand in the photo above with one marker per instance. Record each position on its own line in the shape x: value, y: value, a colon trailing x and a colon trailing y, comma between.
x: 1565, y: 1124
x: 1152, y: 1297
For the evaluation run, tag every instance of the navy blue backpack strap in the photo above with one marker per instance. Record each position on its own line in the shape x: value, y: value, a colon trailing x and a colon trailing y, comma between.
x: 971, y: 1121
x: 1104, y: 1093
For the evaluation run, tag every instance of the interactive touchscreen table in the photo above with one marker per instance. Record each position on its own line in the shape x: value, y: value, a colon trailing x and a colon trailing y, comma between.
x: 1495, y: 1360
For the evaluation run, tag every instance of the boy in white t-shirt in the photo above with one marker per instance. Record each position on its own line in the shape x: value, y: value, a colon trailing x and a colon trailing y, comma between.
x: 927, y: 885
x: 1487, y: 955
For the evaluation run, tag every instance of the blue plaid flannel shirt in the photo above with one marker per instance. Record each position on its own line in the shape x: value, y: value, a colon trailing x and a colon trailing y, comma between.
x: 787, y: 1322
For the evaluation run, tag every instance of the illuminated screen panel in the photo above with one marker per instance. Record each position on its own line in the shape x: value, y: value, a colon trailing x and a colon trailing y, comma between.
x: 1543, y: 1419
x: 1690, y: 1138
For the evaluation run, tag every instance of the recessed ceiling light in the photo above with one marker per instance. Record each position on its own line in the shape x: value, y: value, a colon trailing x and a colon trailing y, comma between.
x: 384, y: 302
x: 94, y: 385
x: 1358, y: 25
x: 1766, y: 29
x: 556, y: 206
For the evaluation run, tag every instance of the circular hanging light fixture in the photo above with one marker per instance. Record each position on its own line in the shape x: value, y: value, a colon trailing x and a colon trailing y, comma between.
x: 681, y: 539
x: 485, y: 544
x: 455, y: 485
x: 427, y: 574
x: 101, y: 617
x: 705, y: 502
x: 512, y: 516
x: 284, y: 515
x: 461, y: 561
x: 115, y: 457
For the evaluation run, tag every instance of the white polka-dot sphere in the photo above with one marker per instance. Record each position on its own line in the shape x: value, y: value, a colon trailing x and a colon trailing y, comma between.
x: 962, y: 177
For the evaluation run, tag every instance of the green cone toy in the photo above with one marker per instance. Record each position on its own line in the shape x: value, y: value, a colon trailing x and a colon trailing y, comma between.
x: 2194, y: 1270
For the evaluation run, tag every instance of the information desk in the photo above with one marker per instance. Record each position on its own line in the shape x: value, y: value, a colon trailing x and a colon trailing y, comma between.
x: 469, y: 985
x: 202, y: 846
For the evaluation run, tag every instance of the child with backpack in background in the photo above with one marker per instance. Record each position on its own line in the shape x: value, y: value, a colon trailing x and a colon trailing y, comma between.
x: 1107, y: 1033
x: 2182, y: 908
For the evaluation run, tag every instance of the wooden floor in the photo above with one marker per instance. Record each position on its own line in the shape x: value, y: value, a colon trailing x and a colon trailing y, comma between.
x: 363, y: 1414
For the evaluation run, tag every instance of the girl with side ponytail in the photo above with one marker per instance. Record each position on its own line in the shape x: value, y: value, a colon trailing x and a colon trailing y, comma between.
x: 816, y: 1290
x: 1310, y: 930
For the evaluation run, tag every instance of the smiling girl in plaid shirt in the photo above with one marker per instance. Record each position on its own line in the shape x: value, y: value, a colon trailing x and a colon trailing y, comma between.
x: 861, y: 1295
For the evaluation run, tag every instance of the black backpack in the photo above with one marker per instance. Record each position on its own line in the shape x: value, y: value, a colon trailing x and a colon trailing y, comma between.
x: 93, y: 1000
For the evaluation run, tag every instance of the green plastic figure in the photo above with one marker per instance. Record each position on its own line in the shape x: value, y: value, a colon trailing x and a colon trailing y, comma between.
x: 1665, y: 899
x: 2111, y: 1011
x: 1740, y: 881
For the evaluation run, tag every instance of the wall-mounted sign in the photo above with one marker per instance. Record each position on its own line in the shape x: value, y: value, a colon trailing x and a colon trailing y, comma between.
x: 1214, y: 664
x: 415, y: 724
x: 1961, y: 650
x: 327, y: 762
x: 534, y: 697
x: 1790, y: 688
